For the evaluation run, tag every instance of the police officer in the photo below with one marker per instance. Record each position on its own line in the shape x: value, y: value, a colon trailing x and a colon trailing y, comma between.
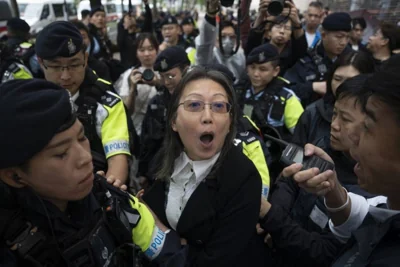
x: 308, y: 76
x: 267, y: 100
x: 18, y: 41
x: 170, y: 31
x: 11, y: 67
x: 189, y: 30
x: 54, y: 211
x: 63, y: 58
x: 171, y: 64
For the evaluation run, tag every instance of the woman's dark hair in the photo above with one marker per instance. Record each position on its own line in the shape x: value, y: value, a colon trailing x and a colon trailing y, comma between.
x: 146, y: 36
x: 172, y: 145
x: 353, y: 87
x: 361, y: 61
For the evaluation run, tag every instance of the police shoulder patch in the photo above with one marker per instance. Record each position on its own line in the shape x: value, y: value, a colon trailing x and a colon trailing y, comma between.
x: 109, y: 99
x: 14, y: 68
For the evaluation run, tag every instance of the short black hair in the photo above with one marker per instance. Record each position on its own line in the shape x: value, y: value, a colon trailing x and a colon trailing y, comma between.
x: 359, y: 21
x: 85, y: 13
x: 385, y: 86
x: 226, y: 23
x: 353, y: 87
x: 390, y: 31
x: 316, y: 4
x: 80, y: 26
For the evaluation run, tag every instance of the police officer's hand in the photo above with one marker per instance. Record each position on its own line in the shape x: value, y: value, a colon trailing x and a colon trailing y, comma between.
x: 312, y: 180
x: 319, y: 87
x: 112, y: 180
x: 159, y: 224
x: 164, y: 45
x: 143, y: 182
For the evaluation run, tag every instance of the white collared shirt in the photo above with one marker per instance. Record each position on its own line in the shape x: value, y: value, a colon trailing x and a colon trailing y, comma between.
x: 184, y: 180
x: 74, y: 98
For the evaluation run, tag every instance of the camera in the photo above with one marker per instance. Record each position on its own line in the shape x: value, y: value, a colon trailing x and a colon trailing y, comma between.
x: 275, y: 8
x: 227, y: 3
x: 148, y: 75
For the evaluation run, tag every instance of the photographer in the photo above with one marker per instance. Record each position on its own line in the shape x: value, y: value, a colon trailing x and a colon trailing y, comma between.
x: 284, y: 31
x: 135, y: 91
x: 208, y: 46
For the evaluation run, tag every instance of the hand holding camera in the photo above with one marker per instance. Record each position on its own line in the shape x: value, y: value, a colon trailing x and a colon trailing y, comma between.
x: 212, y: 7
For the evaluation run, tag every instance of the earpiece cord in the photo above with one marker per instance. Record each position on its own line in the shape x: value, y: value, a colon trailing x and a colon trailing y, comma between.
x: 49, y: 221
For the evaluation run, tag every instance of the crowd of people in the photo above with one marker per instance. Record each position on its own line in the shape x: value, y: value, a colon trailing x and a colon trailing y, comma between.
x: 177, y: 153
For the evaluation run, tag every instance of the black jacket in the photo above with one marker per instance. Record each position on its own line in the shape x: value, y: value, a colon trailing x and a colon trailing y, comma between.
x: 219, y: 219
x: 62, y: 230
x: 314, y: 123
x: 153, y: 131
x: 314, y: 67
x: 374, y: 243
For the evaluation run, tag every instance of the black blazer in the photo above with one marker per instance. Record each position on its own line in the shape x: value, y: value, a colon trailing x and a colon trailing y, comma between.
x: 219, y: 218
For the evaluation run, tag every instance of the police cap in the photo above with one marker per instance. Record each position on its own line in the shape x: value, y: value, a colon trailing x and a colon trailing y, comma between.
x: 170, y: 58
x: 96, y: 9
x: 58, y: 39
x: 31, y: 113
x: 17, y: 24
x: 338, y: 21
x: 169, y: 20
x: 187, y: 20
x: 263, y: 53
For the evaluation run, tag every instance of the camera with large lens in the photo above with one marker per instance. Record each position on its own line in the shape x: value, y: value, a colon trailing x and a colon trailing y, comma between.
x: 148, y: 75
x: 275, y: 8
x: 227, y: 3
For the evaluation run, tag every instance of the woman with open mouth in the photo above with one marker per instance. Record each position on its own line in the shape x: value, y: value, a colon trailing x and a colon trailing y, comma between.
x: 207, y: 192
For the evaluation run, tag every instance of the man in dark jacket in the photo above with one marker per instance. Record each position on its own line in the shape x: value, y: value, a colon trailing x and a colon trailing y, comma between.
x: 357, y: 33
x: 92, y: 46
x: 372, y: 233
x: 308, y: 76
x: 284, y: 32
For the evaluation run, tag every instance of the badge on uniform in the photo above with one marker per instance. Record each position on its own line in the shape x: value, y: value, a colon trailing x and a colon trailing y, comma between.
x: 261, y: 57
x: 170, y: 20
x: 248, y: 110
x: 164, y: 64
x: 71, y: 47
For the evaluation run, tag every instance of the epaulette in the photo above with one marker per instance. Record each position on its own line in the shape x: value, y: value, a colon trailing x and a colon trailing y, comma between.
x: 109, y: 99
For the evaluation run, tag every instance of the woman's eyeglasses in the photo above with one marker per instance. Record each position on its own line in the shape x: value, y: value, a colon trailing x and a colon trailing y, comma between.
x: 198, y: 106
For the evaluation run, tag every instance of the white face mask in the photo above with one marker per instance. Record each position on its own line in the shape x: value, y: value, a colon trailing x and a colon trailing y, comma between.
x: 228, y: 46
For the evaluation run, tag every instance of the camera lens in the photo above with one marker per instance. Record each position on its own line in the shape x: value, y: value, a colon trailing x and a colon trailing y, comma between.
x: 148, y: 75
x: 275, y: 8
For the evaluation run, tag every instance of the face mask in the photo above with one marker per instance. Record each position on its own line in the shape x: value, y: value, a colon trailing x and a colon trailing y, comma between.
x: 227, y: 45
